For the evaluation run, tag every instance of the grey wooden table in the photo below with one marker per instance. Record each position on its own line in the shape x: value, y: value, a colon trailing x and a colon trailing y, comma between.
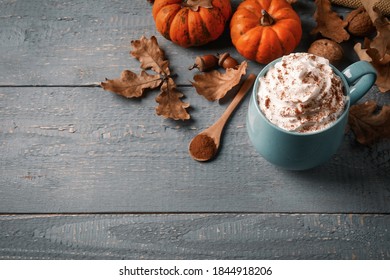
x: 86, y: 174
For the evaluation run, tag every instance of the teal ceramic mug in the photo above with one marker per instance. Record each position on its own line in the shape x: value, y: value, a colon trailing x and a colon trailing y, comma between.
x: 300, y: 151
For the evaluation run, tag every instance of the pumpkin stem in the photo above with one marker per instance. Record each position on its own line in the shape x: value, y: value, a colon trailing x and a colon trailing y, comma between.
x: 266, y: 19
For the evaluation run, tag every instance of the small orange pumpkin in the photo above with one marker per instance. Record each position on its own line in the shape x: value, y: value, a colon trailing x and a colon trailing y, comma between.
x: 264, y: 30
x: 191, y: 22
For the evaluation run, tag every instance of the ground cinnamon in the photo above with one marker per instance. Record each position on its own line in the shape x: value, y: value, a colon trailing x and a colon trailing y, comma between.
x: 202, y: 147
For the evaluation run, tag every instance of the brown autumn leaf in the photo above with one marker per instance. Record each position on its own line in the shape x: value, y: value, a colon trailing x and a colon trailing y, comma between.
x: 377, y: 51
x: 132, y: 85
x: 368, y: 124
x: 369, y: 6
x: 170, y: 105
x: 383, y: 69
x: 382, y: 41
x: 329, y: 24
x: 195, y: 4
x: 214, y: 85
x: 151, y: 56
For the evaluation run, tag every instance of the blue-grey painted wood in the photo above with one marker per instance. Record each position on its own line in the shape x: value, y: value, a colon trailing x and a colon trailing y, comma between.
x: 195, y: 236
x: 85, y: 41
x: 66, y: 146
x: 80, y: 42
x: 87, y: 150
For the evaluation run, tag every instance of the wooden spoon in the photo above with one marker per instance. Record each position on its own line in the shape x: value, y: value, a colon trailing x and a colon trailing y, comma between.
x: 205, y: 145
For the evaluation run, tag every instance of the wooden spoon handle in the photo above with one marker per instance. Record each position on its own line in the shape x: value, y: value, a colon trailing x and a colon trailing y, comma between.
x: 237, y: 99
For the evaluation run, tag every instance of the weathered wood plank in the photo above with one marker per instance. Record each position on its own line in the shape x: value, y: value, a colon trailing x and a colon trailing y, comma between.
x: 204, y: 236
x: 78, y: 42
x: 82, y: 150
x: 86, y: 150
x: 83, y: 42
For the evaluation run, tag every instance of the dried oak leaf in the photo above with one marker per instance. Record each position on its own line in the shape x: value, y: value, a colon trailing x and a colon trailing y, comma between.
x: 381, y: 66
x: 382, y: 69
x: 382, y: 40
x: 369, y: 125
x: 214, y: 85
x: 195, y: 4
x: 377, y: 51
x: 170, y: 105
x: 132, y: 85
x: 151, y: 56
x: 369, y: 6
x: 329, y: 24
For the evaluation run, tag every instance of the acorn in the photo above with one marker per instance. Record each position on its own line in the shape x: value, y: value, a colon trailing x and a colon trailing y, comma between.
x: 226, y: 61
x: 205, y: 63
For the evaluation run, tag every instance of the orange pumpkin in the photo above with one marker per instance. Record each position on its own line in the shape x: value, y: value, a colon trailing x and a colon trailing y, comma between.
x: 264, y: 30
x: 191, y: 22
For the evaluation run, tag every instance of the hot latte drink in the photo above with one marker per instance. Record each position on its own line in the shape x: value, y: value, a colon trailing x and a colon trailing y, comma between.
x: 301, y: 93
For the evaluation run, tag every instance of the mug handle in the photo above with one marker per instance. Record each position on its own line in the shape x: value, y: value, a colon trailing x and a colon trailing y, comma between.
x: 361, y: 76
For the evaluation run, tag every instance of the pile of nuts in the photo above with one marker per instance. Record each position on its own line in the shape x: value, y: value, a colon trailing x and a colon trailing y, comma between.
x: 358, y: 24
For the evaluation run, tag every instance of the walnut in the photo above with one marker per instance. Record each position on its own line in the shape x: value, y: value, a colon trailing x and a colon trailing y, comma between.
x: 328, y: 49
x: 359, y: 22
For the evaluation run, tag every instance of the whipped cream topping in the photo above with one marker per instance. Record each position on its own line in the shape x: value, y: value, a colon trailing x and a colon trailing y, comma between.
x: 301, y: 93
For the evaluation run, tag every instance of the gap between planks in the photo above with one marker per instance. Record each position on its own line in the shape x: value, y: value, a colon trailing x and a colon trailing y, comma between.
x: 189, y: 213
x: 93, y: 85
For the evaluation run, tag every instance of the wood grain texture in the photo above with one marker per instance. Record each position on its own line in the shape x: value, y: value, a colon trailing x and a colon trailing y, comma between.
x: 87, y: 150
x: 79, y: 42
x: 69, y: 151
x: 211, y: 236
x: 85, y: 41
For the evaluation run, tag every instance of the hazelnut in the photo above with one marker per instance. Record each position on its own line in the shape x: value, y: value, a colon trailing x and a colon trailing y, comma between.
x: 359, y: 22
x: 328, y: 49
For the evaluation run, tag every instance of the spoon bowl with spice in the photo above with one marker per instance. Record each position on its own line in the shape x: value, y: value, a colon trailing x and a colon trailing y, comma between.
x: 205, y: 145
